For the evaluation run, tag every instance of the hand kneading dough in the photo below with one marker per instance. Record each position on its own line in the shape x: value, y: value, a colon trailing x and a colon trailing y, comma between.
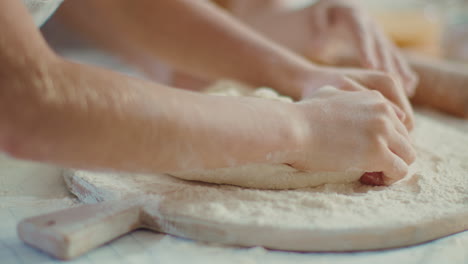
x: 263, y: 176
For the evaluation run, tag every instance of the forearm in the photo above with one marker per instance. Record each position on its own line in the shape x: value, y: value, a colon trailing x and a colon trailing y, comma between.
x: 442, y: 85
x: 80, y: 116
x: 194, y: 36
x: 289, y: 28
x: 84, y: 117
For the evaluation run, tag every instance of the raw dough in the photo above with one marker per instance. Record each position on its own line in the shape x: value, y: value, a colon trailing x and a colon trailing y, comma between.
x: 265, y: 176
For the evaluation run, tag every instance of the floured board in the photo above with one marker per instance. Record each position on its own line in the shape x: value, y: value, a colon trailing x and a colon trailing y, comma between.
x: 431, y: 202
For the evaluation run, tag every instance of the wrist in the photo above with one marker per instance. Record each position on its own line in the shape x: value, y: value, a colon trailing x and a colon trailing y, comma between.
x: 293, y: 78
x: 292, y: 131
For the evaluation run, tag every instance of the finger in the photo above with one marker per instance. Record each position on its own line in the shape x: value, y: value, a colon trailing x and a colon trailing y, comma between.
x: 400, y: 114
x: 321, y: 27
x: 401, y: 128
x: 383, y: 51
x: 408, y: 109
x: 398, y: 122
x: 403, y: 103
x: 389, y: 88
x: 393, y: 168
x: 402, y: 147
x: 393, y: 91
x: 413, y: 85
x: 353, y: 86
x: 409, y: 76
x: 363, y: 41
x: 403, y: 72
x: 398, y: 64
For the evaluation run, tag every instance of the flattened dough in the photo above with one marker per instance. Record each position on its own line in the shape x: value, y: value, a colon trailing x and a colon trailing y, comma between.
x: 265, y: 176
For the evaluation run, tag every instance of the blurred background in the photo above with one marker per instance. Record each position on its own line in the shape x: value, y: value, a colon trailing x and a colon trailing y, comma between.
x: 436, y: 28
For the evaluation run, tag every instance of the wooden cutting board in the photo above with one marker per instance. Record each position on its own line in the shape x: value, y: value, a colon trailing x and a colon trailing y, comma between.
x: 162, y: 203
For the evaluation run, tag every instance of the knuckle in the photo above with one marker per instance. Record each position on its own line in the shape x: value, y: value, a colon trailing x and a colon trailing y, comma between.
x: 376, y: 94
x: 384, y: 79
x: 408, y: 153
x: 377, y: 146
x: 382, y: 107
x: 397, y: 170
x: 387, y: 109
x: 381, y: 146
x: 389, y: 81
x: 409, y: 123
x: 381, y: 124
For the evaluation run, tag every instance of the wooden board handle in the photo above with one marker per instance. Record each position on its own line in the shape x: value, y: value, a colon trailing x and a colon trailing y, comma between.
x: 68, y: 233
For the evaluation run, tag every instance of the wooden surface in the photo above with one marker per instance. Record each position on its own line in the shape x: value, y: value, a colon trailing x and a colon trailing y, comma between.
x: 133, y: 204
x: 19, y: 201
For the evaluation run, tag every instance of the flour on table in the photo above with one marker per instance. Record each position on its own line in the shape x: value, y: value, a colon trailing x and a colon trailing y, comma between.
x: 431, y: 202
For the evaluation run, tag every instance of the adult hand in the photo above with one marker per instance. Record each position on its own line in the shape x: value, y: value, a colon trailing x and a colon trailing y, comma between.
x: 352, y: 130
x: 344, y: 22
x: 358, y: 80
